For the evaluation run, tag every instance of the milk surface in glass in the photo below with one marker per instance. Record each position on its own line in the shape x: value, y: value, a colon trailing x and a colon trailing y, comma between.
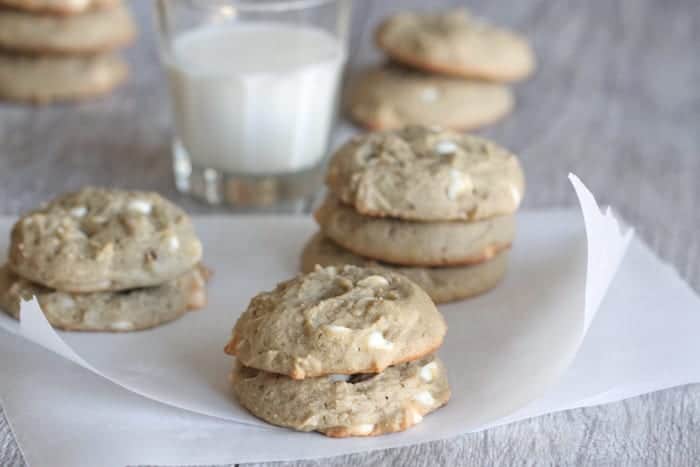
x: 255, y: 98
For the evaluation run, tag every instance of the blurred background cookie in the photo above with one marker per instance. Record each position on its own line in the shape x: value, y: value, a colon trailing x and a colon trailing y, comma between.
x: 24, y: 78
x: 58, y: 7
x: 456, y: 43
x: 57, y: 50
x: 390, y: 96
x: 94, y: 31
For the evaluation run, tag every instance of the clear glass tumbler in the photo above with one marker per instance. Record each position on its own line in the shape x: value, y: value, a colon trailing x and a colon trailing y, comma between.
x: 254, y: 94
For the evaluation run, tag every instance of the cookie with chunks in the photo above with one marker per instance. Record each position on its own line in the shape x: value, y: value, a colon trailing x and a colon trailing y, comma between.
x: 343, y: 405
x: 337, y: 320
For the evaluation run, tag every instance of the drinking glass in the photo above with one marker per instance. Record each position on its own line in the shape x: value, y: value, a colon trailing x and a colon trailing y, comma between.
x: 254, y: 90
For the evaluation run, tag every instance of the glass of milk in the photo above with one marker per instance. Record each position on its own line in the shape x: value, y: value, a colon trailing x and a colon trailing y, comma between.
x: 254, y: 93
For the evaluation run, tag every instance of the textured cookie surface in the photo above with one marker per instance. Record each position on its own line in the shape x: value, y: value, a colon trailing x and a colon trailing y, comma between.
x: 25, y: 78
x: 415, y: 243
x: 94, y: 31
x: 98, y: 240
x: 456, y: 43
x: 443, y: 285
x: 389, y: 97
x: 107, y: 311
x: 60, y: 7
x: 337, y: 320
x: 358, y: 405
x: 426, y: 174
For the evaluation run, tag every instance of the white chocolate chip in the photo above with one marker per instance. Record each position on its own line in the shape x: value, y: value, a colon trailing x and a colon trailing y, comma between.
x: 337, y: 378
x: 122, y: 325
x: 425, y: 398
x: 426, y: 373
x: 173, y: 243
x: 429, y: 94
x: 335, y: 329
x: 106, y: 252
x: 458, y: 183
x: 515, y: 194
x: 413, y: 417
x: 376, y: 341
x: 328, y: 270
x: 78, y: 211
x: 362, y: 429
x: 140, y: 206
x: 65, y: 302
x: 445, y: 148
x: 373, y: 281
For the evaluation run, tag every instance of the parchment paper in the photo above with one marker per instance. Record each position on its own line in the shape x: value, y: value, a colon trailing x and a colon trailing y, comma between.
x: 503, y: 350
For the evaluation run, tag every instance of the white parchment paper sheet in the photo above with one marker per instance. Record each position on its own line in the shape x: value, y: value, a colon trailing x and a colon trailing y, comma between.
x: 503, y: 349
x: 511, y: 351
x: 644, y: 338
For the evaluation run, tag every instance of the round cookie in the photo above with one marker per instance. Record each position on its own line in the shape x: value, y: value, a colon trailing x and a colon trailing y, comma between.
x: 441, y: 284
x: 389, y: 97
x: 129, y: 310
x: 58, y: 7
x: 104, y: 240
x: 414, y: 243
x: 337, y: 320
x: 426, y: 174
x: 88, y: 33
x: 455, y: 43
x: 24, y: 78
x: 359, y: 405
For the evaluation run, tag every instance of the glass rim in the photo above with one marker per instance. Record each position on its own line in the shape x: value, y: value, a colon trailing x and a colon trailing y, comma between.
x: 261, y: 5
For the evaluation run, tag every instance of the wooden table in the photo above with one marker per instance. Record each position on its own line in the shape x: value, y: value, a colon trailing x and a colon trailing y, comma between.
x: 616, y: 100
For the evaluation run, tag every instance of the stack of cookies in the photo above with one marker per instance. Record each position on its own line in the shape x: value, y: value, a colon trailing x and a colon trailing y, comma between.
x: 61, y: 49
x: 447, y: 69
x: 432, y: 204
x: 105, y: 260
x: 344, y: 351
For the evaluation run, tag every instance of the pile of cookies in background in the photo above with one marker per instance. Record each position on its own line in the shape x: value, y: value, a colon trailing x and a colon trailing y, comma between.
x: 344, y: 351
x: 105, y: 260
x: 446, y: 69
x: 54, y: 50
x: 434, y: 205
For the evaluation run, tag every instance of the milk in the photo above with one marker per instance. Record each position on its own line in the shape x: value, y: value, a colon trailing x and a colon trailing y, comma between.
x: 255, y: 98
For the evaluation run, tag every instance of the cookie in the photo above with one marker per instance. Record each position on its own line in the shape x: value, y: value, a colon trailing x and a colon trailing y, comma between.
x: 129, y: 310
x: 340, y: 405
x: 414, y: 243
x: 94, y: 31
x: 58, y: 7
x: 25, y: 78
x: 104, y: 240
x: 455, y: 43
x: 426, y: 174
x: 443, y: 285
x: 337, y: 320
x: 389, y: 97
